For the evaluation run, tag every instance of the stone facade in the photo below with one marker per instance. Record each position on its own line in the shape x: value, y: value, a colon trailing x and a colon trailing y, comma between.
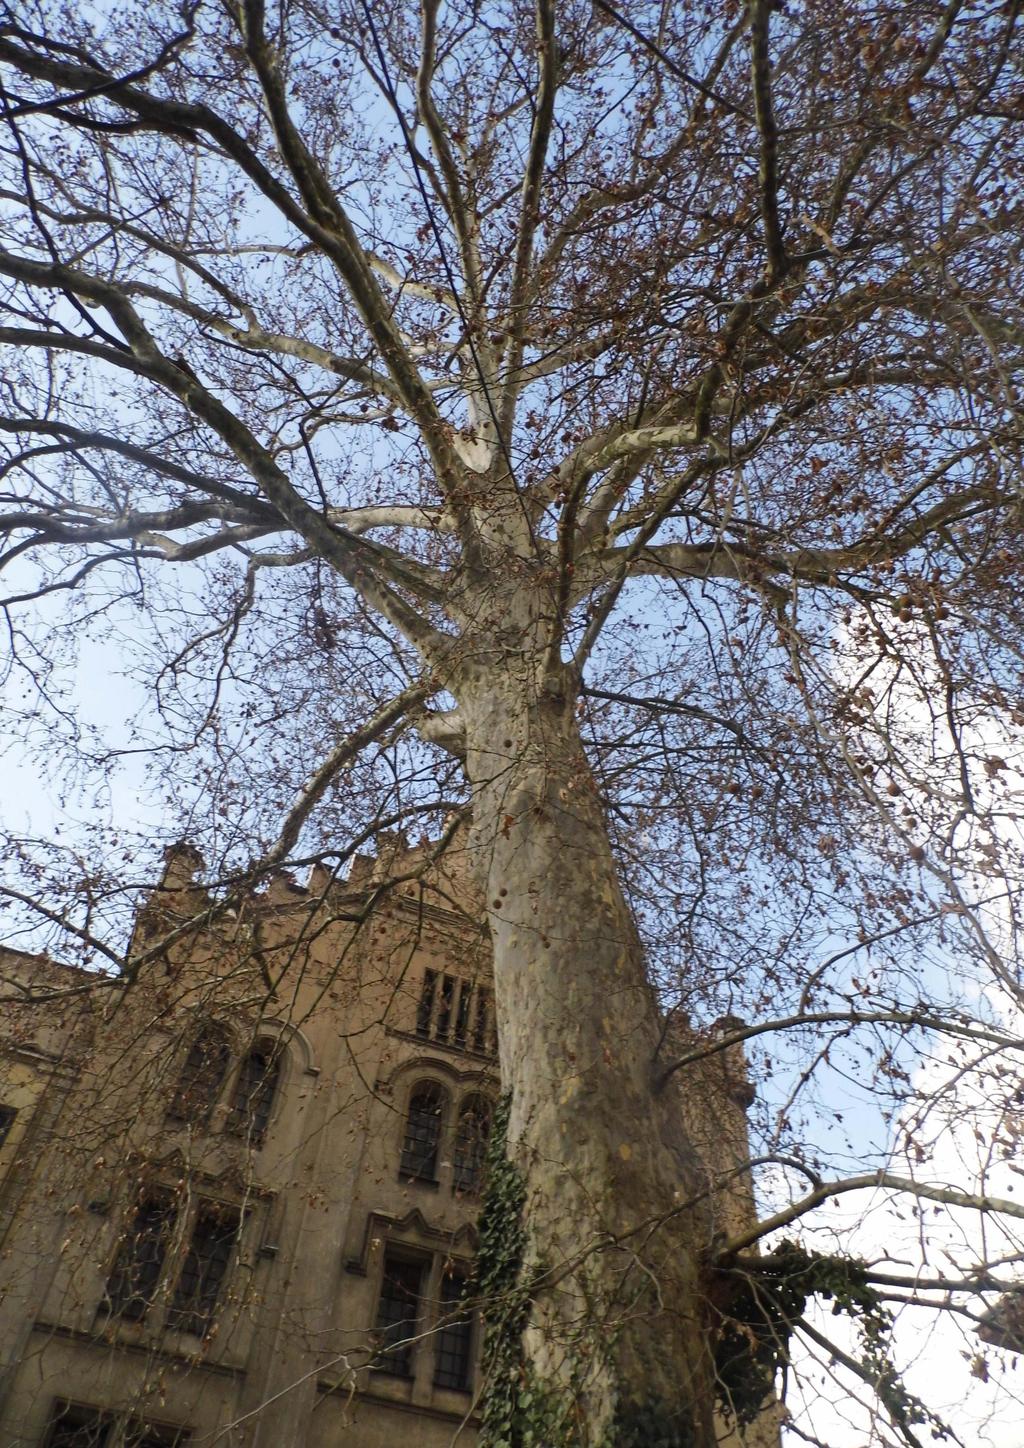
x: 237, y: 1192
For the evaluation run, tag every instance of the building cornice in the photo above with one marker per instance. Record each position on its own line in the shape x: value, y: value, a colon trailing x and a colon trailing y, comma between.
x: 421, y: 1410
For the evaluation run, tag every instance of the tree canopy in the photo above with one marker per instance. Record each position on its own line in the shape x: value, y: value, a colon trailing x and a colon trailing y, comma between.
x: 605, y: 418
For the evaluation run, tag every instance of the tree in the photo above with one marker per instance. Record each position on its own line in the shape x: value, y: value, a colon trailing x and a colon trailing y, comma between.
x: 629, y: 401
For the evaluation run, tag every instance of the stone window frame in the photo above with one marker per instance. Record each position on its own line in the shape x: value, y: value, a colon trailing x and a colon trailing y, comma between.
x: 456, y: 1012
x: 138, y: 1267
x: 252, y: 1119
x: 119, y: 1430
x: 201, y: 1075
x: 467, y: 1177
x: 456, y: 1334
x: 163, y: 1305
x: 457, y: 1097
x: 399, y: 1359
x: 408, y: 1170
x: 222, y: 1111
x: 204, y: 1268
x: 428, y: 1326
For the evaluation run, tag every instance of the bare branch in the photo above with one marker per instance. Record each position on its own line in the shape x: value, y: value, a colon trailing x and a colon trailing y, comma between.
x: 870, y: 1181
x: 341, y: 755
x: 920, y: 1019
x: 760, y: 70
x: 529, y: 213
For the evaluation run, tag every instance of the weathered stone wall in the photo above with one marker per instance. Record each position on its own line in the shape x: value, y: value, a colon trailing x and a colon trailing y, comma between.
x: 331, y: 975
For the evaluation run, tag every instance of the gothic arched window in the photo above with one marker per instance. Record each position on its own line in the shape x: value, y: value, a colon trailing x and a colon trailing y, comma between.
x: 471, y: 1138
x: 201, y: 1077
x: 423, y: 1132
x: 255, y: 1090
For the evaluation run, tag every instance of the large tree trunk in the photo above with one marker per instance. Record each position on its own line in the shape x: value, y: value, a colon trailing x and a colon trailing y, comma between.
x: 616, y: 1210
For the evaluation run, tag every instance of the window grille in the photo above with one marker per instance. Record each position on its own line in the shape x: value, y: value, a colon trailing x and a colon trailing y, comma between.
x: 455, y: 1012
x: 254, y: 1095
x: 453, y: 1352
x: 203, y: 1271
x: 483, y: 1029
x: 7, y: 1115
x: 201, y: 1077
x: 443, y: 1019
x: 422, y: 1132
x: 471, y: 1138
x: 425, y: 1010
x: 132, y: 1285
x: 75, y: 1427
x: 397, y: 1315
x: 462, y: 1014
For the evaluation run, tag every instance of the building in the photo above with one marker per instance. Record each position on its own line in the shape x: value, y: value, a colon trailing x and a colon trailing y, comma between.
x: 237, y: 1191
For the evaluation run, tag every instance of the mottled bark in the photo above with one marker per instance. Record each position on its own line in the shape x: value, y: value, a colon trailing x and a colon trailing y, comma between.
x: 615, y: 1207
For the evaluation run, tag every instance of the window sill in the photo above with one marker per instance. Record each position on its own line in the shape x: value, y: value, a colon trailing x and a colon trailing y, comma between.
x: 488, y: 1055
x: 155, y: 1331
x: 109, y: 1314
x: 255, y: 1142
